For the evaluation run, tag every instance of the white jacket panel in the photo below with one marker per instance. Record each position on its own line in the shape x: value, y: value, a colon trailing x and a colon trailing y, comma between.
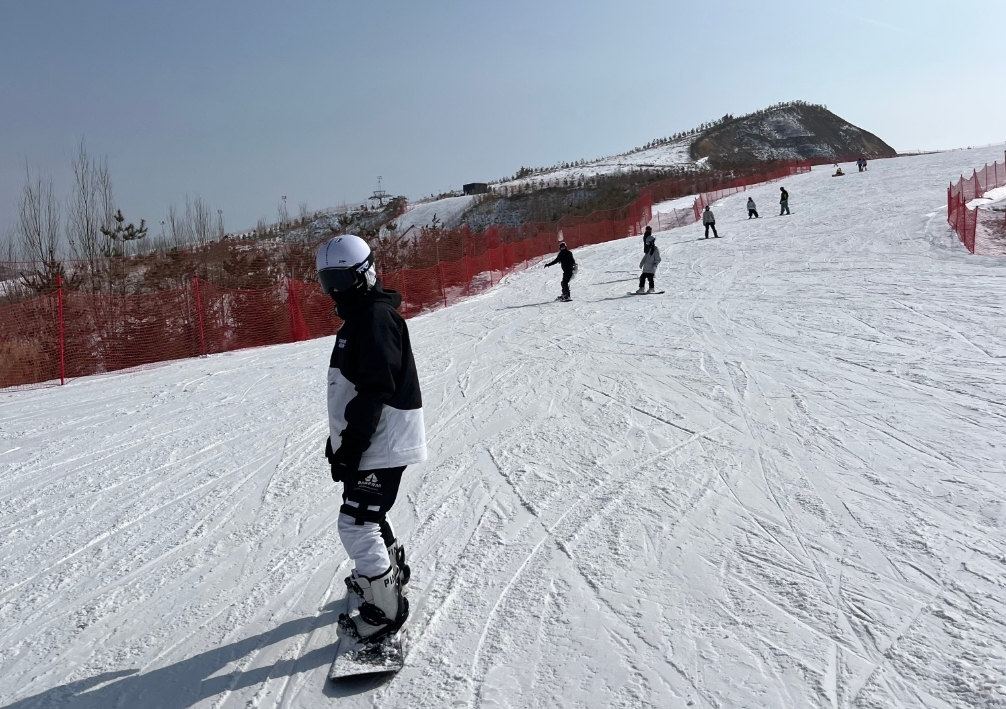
x: 400, y: 437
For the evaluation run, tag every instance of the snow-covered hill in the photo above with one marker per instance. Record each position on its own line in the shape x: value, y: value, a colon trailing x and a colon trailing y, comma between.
x: 780, y: 484
x: 795, y: 131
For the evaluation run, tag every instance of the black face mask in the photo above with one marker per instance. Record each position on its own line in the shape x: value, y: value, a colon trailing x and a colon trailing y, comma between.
x: 347, y: 302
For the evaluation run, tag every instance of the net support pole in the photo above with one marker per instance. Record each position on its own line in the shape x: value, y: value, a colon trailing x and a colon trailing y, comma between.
x: 443, y: 286
x: 199, y: 312
x: 62, y: 346
x: 405, y: 293
x: 292, y: 308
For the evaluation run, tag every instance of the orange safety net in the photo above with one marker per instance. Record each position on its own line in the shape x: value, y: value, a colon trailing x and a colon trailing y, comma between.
x: 964, y: 221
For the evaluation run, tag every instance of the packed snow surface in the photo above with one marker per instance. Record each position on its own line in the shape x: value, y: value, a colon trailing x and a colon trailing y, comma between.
x: 780, y: 484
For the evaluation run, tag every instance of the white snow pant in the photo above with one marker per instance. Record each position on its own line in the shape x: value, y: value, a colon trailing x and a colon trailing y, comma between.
x: 363, y: 523
x: 365, y: 545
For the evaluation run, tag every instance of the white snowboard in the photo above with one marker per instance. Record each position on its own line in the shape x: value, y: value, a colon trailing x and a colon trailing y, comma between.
x: 354, y: 658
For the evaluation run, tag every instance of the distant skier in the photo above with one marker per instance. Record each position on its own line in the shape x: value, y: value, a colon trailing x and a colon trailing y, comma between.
x: 864, y: 164
x: 651, y: 259
x: 752, y: 209
x: 709, y: 222
x: 783, y: 201
x: 375, y: 418
x: 565, y: 259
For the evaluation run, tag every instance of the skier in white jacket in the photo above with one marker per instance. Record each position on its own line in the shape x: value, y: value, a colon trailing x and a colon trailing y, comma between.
x: 649, y: 263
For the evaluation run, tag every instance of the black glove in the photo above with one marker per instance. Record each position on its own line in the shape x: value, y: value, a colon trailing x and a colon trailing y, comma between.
x: 345, y: 462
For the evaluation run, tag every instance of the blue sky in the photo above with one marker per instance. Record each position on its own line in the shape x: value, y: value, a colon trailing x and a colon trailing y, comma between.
x: 242, y: 102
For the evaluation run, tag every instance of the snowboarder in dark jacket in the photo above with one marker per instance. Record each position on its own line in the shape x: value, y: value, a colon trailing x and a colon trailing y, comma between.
x: 565, y: 259
x: 783, y: 201
x: 375, y: 416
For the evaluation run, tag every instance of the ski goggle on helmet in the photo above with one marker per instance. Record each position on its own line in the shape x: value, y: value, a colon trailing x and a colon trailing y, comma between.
x: 345, y: 263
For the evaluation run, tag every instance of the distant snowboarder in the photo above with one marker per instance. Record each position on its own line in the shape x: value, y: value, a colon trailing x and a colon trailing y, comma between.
x: 565, y: 259
x: 783, y: 201
x: 651, y: 259
x: 375, y: 417
x: 646, y: 235
x: 838, y: 173
x: 709, y: 222
x: 752, y: 210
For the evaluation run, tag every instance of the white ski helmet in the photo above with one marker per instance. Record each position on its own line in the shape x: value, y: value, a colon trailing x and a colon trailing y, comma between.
x: 345, y: 263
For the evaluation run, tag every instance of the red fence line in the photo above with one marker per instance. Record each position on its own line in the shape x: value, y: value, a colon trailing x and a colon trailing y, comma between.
x: 103, y: 333
x: 964, y: 221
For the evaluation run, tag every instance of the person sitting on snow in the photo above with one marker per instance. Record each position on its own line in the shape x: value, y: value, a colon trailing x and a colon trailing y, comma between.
x: 838, y: 173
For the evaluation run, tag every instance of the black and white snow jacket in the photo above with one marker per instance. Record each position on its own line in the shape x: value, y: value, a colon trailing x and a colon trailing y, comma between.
x: 374, y: 401
x: 565, y: 259
x: 708, y: 218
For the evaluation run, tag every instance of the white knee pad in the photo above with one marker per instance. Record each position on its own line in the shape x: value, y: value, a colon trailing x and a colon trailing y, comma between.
x: 365, y: 546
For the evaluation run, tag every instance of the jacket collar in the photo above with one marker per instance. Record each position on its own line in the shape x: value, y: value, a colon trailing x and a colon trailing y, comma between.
x: 352, y: 304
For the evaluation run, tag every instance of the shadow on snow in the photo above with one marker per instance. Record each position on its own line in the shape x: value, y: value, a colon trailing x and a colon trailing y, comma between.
x: 190, y: 681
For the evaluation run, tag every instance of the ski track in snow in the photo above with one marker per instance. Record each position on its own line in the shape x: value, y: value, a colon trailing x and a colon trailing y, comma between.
x: 780, y: 484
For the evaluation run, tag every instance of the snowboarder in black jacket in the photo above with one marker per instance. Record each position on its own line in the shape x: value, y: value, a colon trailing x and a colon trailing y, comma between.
x: 375, y: 416
x: 565, y: 259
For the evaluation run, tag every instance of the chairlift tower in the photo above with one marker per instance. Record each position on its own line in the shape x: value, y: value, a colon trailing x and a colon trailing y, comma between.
x: 379, y: 194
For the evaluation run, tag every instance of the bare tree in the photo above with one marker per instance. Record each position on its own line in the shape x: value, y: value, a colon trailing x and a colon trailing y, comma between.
x: 261, y: 228
x: 200, y: 218
x: 283, y: 215
x: 89, y: 212
x: 178, y: 233
x: 37, y: 232
x: 305, y: 214
x: 196, y: 226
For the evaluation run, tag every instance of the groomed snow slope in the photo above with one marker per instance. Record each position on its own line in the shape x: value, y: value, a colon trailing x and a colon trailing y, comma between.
x: 447, y: 211
x: 780, y: 484
x: 673, y: 154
